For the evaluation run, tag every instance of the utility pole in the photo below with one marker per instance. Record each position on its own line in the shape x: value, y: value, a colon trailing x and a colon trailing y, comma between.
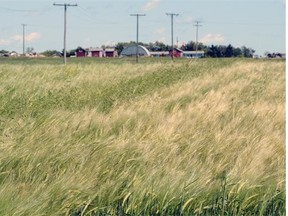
x: 172, y: 45
x: 24, y: 38
x: 65, y: 11
x: 137, y: 34
x: 197, y: 25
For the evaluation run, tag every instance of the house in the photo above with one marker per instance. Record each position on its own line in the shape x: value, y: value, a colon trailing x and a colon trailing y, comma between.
x: 111, y: 52
x: 80, y: 52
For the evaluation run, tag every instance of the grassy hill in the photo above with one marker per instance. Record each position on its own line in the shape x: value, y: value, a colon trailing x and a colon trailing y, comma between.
x: 193, y: 137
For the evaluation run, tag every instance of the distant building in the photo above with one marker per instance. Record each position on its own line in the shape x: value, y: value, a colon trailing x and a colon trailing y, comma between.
x: 276, y: 55
x: 187, y: 54
x: 193, y: 54
x: 111, y: 52
x: 132, y: 51
x: 95, y: 52
x: 159, y: 53
x: 177, y: 53
x: 80, y: 52
x: 14, y: 54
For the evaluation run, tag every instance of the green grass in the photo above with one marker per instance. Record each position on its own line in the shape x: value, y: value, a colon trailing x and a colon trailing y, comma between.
x: 111, y: 137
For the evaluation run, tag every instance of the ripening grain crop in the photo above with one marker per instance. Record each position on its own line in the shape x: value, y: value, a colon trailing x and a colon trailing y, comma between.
x: 193, y: 137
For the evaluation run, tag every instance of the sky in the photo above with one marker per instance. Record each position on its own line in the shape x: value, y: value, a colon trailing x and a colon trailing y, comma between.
x: 258, y: 24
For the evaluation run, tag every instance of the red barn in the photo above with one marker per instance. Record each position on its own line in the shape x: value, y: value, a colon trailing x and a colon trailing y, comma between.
x: 95, y: 52
x: 111, y: 52
x: 176, y: 53
x: 80, y: 52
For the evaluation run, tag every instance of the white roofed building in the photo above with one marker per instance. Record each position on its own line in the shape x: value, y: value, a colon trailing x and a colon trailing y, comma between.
x: 132, y: 51
x: 193, y: 54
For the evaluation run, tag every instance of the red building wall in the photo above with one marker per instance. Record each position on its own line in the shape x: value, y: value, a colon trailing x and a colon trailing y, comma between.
x: 176, y: 53
x: 95, y: 53
x: 80, y: 53
x: 110, y: 54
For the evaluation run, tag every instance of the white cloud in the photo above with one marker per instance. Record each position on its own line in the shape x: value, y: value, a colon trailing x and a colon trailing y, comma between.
x: 162, y: 39
x: 189, y: 19
x: 212, y: 38
x: 17, y: 37
x: 151, y: 4
x: 30, y: 37
x: 4, y: 42
x: 33, y: 36
x: 160, y: 30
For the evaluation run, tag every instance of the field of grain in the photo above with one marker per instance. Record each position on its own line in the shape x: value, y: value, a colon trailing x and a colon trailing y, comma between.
x: 192, y: 137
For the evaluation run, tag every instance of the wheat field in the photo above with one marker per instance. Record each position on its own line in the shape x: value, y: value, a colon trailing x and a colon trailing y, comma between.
x: 192, y: 137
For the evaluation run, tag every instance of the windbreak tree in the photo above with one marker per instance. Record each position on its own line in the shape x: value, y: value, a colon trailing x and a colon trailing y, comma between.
x: 247, y: 52
x: 50, y: 53
x: 229, y: 51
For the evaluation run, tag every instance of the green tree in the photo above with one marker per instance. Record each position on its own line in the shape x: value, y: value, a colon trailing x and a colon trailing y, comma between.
x: 229, y: 51
x: 4, y: 51
x: 72, y: 52
x: 247, y: 52
x: 190, y: 46
x: 50, y: 53
x: 212, y: 51
x: 237, y: 52
x: 160, y: 46
x: 29, y: 50
x: 221, y: 51
x: 121, y: 45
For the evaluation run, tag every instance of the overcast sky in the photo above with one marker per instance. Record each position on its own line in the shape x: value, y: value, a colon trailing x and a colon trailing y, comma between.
x: 259, y: 24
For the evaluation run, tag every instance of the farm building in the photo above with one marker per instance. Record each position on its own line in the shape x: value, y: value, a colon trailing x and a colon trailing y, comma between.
x: 193, y: 54
x: 187, y: 54
x: 94, y: 52
x: 159, y: 53
x: 110, y: 52
x: 132, y: 50
x: 176, y: 53
x: 80, y: 52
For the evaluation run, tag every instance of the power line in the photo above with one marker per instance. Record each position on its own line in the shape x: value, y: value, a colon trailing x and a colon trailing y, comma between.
x: 244, y: 23
x: 16, y: 10
x: 88, y: 16
x: 172, y: 45
x: 91, y: 18
x: 65, y: 11
x: 137, y: 33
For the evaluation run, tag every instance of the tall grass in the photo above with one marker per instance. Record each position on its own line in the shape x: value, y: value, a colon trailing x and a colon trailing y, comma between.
x: 200, y: 137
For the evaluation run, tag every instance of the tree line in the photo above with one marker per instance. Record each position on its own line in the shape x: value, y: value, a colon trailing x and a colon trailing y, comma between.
x: 213, y: 51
